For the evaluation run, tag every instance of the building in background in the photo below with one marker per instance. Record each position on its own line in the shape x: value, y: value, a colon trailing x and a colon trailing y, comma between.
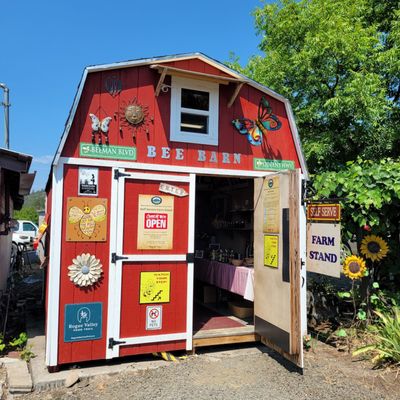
x: 15, y: 183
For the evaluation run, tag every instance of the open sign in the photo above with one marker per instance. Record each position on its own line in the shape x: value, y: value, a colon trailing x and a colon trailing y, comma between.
x: 155, y: 221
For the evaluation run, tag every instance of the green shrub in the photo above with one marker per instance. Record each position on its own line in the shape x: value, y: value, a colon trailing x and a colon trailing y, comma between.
x: 387, y: 338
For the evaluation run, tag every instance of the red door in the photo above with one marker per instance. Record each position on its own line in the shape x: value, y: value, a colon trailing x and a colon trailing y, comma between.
x: 150, y: 304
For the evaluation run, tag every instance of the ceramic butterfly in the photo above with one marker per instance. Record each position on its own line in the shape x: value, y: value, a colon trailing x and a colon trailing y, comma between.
x: 100, y: 127
x: 87, y: 217
x: 266, y: 121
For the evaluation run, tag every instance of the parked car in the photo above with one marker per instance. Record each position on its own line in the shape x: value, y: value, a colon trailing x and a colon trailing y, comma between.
x: 24, y: 232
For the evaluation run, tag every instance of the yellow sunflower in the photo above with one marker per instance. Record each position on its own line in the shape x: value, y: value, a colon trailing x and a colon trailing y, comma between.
x: 354, y: 267
x: 374, y: 247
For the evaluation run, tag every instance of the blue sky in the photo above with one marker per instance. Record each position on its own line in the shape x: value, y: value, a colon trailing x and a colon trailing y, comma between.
x: 46, y: 45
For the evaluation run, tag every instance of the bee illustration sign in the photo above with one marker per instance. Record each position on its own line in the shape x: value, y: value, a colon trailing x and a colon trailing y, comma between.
x: 86, y: 219
x: 155, y: 287
x: 155, y: 222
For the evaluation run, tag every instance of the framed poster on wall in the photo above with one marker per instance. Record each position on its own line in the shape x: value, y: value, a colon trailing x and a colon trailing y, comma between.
x: 88, y: 181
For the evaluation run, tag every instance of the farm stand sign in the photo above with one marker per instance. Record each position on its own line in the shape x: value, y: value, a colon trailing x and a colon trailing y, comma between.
x: 323, y: 249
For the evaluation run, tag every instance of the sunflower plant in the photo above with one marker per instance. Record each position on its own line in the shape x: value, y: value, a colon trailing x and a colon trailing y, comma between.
x: 374, y: 248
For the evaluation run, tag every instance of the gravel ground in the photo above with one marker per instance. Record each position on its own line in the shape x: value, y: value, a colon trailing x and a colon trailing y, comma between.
x: 243, y: 373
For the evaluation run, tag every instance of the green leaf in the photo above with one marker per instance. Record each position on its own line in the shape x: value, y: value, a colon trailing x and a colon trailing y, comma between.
x: 341, y: 333
x: 344, y: 295
x: 362, y: 315
x: 375, y: 285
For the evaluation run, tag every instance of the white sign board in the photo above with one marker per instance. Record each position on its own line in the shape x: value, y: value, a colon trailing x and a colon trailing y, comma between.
x: 153, y: 317
x: 88, y: 181
x: 323, y: 249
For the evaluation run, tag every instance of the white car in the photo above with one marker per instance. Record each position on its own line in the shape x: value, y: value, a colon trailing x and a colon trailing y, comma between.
x: 24, y: 233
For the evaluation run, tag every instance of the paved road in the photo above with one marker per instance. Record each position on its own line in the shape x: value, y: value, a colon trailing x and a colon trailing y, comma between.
x: 240, y: 374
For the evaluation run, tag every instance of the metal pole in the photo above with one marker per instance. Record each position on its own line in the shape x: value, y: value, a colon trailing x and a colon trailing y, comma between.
x: 6, y: 105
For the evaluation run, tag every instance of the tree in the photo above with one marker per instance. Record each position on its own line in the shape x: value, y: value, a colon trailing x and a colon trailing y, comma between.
x: 27, y: 213
x: 338, y: 61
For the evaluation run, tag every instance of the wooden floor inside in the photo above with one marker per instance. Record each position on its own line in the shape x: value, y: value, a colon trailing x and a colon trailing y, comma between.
x: 242, y: 332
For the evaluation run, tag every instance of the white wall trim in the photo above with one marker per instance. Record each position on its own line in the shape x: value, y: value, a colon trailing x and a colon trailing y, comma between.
x: 112, y: 270
x: 152, y: 339
x: 153, y: 257
x: 303, y: 273
x: 157, y: 177
x: 53, y: 297
x: 190, y: 266
x: 167, y: 168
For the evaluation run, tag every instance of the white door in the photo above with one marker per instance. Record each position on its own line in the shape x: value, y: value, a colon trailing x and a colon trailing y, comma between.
x: 151, y: 269
x: 279, y: 262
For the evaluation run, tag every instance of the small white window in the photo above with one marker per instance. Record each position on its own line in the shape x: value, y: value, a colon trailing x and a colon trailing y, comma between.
x: 194, y: 111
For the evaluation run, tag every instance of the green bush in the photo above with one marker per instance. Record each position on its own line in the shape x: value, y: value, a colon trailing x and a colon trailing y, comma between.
x: 387, y: 338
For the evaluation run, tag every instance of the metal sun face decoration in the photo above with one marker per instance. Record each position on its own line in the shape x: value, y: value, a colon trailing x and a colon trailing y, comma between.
x: 255, y: 129
x: 85, y: 270
x: 134, y: 115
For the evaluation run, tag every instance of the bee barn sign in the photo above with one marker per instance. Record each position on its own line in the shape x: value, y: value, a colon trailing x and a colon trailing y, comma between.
x: 323, y: 249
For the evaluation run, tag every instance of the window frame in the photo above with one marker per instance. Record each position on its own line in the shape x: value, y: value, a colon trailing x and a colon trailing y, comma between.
x: 176, y: 134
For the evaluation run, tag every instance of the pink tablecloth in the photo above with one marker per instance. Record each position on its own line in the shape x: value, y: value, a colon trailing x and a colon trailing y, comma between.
x: 238, y: 280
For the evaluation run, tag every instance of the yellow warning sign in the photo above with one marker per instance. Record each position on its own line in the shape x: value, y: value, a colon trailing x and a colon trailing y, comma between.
x: 271, y: 251
x: 155, y: 287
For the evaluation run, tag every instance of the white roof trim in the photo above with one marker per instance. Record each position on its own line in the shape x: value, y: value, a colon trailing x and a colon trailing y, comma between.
x: 181, y: 57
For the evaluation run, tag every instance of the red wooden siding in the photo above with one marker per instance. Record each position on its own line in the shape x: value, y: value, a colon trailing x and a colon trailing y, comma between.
x: 140, y: 82
x: 71, y: 294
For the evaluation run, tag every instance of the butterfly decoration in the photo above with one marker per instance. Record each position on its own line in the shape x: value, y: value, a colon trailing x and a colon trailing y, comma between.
x: 100, y: 127
x: 87, y: 217
x: 266, y: 121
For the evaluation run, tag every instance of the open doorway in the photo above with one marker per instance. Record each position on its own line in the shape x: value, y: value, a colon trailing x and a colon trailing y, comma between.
x: 223, y: 269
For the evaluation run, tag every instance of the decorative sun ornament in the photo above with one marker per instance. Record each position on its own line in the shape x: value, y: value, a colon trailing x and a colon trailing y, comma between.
x: 374, y: 247
x: 134, y: 115
x: 354, y: 267
x: 85, y: 270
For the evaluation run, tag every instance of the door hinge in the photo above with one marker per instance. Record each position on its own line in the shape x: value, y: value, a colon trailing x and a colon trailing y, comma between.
x: 190, y: 257
x: 115, y: 258
x: 303, y: 191
x: 112, y: 343
x: 118, y: 174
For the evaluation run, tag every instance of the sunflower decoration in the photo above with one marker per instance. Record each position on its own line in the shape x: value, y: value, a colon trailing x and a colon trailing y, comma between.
x: 354, y: 267
x: 374, y: 248
x: 85, y: 270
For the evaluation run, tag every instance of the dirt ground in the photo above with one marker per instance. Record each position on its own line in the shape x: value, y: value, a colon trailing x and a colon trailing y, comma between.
x: 241, y: 373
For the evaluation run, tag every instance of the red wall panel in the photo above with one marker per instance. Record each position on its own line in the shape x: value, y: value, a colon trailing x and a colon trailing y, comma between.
x: 139, y: 83
x: 69, y: 292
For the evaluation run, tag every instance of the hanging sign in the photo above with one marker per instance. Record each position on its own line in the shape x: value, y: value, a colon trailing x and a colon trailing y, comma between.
x: 323, y: 249
x: 155, y: 287
x: 155, y: 222
x: 271, y: 251
x: 323, y: 212
x: 88, y: 181
x: 271, y: 205
x: 171, y: 189
x: 82, y: 322
x: 153, y: 318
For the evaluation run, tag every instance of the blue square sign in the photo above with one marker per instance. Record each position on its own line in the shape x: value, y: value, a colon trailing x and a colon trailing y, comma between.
x: 82, y: 322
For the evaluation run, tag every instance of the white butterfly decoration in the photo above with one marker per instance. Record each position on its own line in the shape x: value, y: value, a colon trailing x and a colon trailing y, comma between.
x: 100, y: 127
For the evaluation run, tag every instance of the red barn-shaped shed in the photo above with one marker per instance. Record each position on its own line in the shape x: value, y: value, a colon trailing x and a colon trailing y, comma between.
x: 170, y: 170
